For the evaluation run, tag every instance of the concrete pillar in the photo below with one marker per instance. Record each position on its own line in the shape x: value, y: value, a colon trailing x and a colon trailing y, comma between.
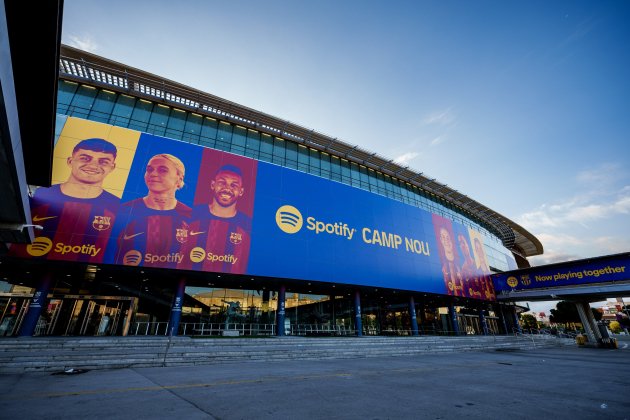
x: 176, y: 308
x: 281, y: 311
x: 357, y: 313
x: 592, y: 338
x: 412, y: 315
x: 453, y: 316
x: 37, y: 303
x: 591, y: 319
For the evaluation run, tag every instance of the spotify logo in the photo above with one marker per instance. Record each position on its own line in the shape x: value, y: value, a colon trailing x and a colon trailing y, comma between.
x: 197, y: 254
x: 289, y: 219
x: 132, y: 258
x: 40, y: 246
x: 512, y: 281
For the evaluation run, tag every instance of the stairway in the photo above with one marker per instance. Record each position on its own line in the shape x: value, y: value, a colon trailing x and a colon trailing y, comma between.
x: 28, y: 354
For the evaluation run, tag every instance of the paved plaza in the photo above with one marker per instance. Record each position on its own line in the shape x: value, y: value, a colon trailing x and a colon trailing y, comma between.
x: 563, y: 383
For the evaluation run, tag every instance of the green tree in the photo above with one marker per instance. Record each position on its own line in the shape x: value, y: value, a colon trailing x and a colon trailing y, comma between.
x: 566, y: 312
x: 529, y: 321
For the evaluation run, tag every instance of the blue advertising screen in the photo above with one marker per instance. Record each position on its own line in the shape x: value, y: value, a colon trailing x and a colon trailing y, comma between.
x: 129, y: 198
x: 610, y: 270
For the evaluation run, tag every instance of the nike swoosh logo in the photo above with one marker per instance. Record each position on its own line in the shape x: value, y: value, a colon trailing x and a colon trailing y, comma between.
x: 36, y: 218
x: 196, y: 233
x: 132, y: 236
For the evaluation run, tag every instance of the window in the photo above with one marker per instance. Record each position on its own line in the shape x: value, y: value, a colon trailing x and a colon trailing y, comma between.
x: 158, y: 120
x: 266, y: 148
x: 103, y: 105
x: 65, y: 93
x: 224, y: 136
x: 292, y: 155
x: 82, y: 101
x: 192, y: 130
x: 252, y: 147
x: 208, y: 132
x: 176, y: 124
x: 141, y: 115
x: 239, y: 139
x: 122, y: 111
x: 278, y: 151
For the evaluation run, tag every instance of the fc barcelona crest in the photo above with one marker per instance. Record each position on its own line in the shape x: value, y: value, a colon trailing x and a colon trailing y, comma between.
x: 181, y: 235
x: 236, y: 238
x: 102, y: 222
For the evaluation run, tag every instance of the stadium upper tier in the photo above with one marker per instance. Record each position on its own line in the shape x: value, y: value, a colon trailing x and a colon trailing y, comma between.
x: 83, y: 67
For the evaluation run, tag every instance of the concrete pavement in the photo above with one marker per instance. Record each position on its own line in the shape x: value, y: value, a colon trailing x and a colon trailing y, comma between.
x: 559, y: 383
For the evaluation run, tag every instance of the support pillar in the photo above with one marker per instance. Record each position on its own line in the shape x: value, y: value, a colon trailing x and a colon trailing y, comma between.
x: 357, y: 313
x: 586, y: 322
x: 37, y: 303
x: 453, y: 314
x: 281, y: 311
x: 176, y: 309
x: 412, y: 315
x: 484, y: 323
x: 333, y: 319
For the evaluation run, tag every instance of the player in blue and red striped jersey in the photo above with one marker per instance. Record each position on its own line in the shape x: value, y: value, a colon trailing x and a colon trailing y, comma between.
x: 219, y: 228
x: 156, y: 230
x: 77, y: 215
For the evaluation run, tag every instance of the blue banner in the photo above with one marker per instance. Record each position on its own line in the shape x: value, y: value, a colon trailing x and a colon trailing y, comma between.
x: 608, y: 270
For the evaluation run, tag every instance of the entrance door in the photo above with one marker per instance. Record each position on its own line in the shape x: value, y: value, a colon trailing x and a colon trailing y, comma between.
x: 12, y: 309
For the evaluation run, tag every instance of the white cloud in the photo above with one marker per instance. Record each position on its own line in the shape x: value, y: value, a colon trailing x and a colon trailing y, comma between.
x: 444, y: 117
x: 404, y: 159
x: 437, y: 140
x: 578, y: 210
x: 604, y: 175
x: 84, y: 43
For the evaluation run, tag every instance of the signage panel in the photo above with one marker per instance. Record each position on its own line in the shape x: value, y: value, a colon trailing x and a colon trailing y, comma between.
x: 129, y: 198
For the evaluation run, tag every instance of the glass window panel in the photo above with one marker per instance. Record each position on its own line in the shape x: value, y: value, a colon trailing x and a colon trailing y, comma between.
x: 252, y: 147
x: 176, y: 124
x: 158, y: 120
x: 208, y: 132
x: 103, y: 105
x: 292, y: 155
x: 239, y: 138
x: 266, y: 148
x: 335, y: 168
x: 224, y: 136
x: 192, y: 131
x: 65, y: 93
x: 278, y: 151
x: 364, y: 177
x: 355, y: 175
x: 325, y: 161
x: 314, y: 162
x: 303, y: 158
x: 122, y: 111
x: 82, y: 101
x: 345, y: 172
x: 141, y: 115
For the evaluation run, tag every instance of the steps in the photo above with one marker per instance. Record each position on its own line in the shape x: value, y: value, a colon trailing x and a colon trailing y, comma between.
x: 45, y: 354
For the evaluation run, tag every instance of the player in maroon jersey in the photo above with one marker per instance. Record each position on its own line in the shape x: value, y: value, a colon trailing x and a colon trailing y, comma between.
x: 156, y: 231
x: 219, y: 230
x: 76, y: 215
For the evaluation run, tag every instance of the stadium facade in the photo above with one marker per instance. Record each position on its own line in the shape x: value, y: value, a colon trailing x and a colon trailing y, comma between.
x: 172, y: 211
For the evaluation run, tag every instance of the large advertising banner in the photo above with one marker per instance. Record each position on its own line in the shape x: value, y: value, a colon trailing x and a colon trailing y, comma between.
x: 610, y: 270
x: 129, y: 198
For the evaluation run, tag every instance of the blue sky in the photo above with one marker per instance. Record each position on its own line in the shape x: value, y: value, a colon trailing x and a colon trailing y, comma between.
x: 523, y: 106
